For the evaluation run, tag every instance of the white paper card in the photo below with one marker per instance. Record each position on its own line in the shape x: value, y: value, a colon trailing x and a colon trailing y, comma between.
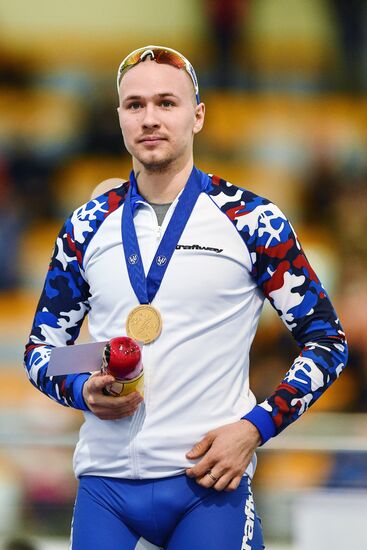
x: 76, y: 359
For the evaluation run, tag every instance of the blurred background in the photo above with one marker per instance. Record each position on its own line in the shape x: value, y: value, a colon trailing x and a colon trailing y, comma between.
x: 284, y: 82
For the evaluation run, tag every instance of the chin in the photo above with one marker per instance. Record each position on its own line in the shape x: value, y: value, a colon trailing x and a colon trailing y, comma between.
x: 157, y: 166
x: 156, y: 163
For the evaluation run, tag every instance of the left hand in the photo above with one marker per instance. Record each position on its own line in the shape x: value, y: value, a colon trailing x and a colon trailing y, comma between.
x: 226, y: 452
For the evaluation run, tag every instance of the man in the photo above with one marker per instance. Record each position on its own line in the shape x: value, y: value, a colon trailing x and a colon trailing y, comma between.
x: 176, y: 466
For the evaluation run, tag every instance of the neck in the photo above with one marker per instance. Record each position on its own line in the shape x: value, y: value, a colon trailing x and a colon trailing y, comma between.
x: 162, y: 186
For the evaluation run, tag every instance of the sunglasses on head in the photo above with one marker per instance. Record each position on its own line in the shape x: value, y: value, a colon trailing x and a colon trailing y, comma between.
x: 159, y: 54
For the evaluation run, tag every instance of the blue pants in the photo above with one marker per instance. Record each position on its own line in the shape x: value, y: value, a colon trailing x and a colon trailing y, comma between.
x: 174, y: 513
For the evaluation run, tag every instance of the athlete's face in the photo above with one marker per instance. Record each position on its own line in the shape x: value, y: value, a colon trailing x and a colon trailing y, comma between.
x: 158, y: 114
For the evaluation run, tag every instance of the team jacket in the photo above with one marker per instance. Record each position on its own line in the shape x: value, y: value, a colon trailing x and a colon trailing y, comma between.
x: 236, y: 250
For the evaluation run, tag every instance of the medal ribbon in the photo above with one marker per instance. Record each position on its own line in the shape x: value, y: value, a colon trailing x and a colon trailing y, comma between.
x: 146, y: 287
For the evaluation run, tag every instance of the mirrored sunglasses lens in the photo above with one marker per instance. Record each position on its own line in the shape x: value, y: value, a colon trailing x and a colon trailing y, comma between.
x: 170, y: 58
x: 131, y: 60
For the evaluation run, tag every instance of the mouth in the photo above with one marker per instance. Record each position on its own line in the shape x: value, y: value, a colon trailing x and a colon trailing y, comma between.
x: 151, y: 140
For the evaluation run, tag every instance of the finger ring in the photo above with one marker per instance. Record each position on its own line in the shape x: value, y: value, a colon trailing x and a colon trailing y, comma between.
x: 209, y: 473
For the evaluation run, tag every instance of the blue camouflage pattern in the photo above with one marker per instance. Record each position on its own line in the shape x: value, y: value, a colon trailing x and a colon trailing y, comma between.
x: 64, y: 301
x: 286, y: 278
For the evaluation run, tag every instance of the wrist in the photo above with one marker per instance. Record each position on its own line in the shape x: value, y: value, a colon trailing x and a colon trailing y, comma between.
x: 79, y: 392
x: 263, y: 421
x: 253, y: 431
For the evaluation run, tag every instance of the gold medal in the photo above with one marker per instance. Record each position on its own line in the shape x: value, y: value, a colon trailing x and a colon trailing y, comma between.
x: 144, y: 323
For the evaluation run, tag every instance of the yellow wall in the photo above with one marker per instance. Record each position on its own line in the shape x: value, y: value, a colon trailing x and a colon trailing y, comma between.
x: 100, y: 31
x: 78, y: 30
x: 153, y: 19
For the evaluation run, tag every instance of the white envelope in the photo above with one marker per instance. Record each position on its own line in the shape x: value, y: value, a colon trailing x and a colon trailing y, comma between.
x: 76, y: 359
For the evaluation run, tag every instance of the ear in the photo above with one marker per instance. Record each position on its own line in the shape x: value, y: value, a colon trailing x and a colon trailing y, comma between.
x: 199, y: 118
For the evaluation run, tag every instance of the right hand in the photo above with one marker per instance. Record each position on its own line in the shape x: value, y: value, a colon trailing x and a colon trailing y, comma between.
x: 108, y: 407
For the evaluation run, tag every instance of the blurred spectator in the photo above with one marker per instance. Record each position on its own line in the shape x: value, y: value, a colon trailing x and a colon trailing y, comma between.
x: 226, y: 21
x: 102, y: 132
x: 19, y: 544
x: 349, y: 215
x: 349, y: 470
x: 351, y: 16
x: 14, y: 70
x: 31, y: 177
x: 323, y: 184
x: 48, y: 495
x: 353, y: 313
x: 10, y: 229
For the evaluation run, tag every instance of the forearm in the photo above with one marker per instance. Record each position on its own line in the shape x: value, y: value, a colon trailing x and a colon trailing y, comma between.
x: 59, y: 316
x: 66, y: 390
x: 318, y: 365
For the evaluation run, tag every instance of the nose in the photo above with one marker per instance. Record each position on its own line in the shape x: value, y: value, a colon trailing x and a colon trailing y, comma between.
x: 150, y: 119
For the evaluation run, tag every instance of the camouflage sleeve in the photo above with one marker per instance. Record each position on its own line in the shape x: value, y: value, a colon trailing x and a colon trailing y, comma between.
x: 60, y: 313
x: 286, y: 278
